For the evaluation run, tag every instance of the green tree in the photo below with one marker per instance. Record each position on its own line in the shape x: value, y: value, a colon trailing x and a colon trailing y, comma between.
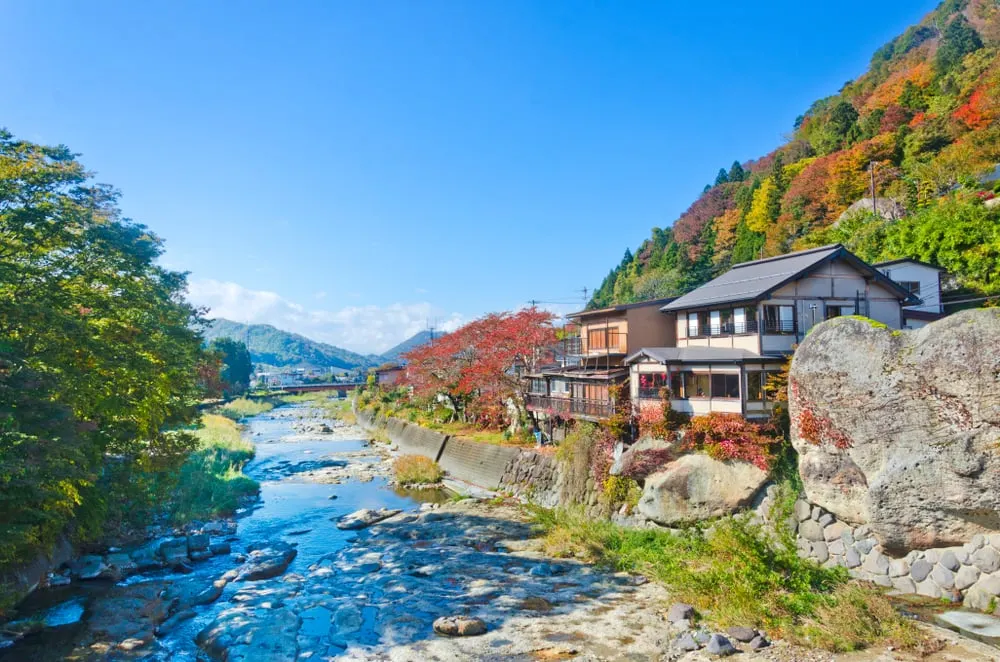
x: 958, y: 39
x: 98, y: 352
x: 722, y: 177
x: 236, y: 366
x: 736, y: 172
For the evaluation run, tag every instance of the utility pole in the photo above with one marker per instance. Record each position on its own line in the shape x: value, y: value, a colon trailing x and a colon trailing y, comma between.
x: 871, y: 167
x: 431, y: 328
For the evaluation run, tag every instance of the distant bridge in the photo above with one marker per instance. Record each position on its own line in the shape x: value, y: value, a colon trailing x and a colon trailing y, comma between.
x: 309, y: 388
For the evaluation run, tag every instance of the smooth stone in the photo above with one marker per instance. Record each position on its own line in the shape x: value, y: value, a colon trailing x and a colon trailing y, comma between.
x: 920, y: 569
x: 686, y: 643
x: 460, y: 626
x: 820, y: 552
x: 853, y: 558
x: 811, y: 530
x: 759, y: 642
x: 943, y: 577
x: 950, y: 561
x: 899, y: 568
x: 741, y: 633
x: 986, y: 559
x: 966, y: 577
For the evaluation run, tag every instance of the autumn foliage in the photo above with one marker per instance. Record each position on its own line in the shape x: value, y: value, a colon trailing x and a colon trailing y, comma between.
x: 923, y: 118
x: 478, y: 367
x: 732, y: 437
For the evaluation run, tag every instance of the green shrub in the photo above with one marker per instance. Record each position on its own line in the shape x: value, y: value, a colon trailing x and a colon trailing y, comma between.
x: 211, y: 482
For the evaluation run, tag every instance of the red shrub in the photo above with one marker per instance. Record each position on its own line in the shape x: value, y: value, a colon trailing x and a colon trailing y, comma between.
x: 731, y: 437
x: 818, y: 430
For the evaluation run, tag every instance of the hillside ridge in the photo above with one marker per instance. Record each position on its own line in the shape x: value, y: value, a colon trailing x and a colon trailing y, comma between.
x: 921, y: 121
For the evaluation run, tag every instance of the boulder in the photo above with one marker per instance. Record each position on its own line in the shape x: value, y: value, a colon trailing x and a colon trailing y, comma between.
x: 643, y: 458
x: 267, y: 561
x: 696, y: 487
x: 898, y: 429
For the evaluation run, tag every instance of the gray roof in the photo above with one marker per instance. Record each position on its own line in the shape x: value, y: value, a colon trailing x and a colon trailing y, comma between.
x: 751, y: 281
x: 697, y: 354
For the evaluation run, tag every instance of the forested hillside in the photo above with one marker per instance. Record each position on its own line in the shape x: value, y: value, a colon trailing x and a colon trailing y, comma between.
x: 923, y: 118
x: 274, y: 347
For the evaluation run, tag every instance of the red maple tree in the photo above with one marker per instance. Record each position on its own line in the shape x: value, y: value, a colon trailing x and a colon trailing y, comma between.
x: 479, y: 368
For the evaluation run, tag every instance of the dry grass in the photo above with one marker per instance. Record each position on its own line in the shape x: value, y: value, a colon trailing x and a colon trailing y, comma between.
x: 416, y: 470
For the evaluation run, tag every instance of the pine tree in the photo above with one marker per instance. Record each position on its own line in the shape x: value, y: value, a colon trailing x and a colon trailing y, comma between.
x: 722, y: 177
x: 736, y: 172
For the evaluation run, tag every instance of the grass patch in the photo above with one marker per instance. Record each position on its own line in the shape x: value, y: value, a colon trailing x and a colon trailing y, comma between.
x: 416, y: 470
x: 211, y: 482
x: 241, y: 408
x: 737, y: 573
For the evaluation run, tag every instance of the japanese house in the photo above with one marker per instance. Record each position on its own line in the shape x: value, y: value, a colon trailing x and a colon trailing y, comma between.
x: 734, y: 330
x: 594, y: 361
x: 923, y: 281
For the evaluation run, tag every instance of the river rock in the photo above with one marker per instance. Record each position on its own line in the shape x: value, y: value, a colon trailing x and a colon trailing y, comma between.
x: 899, y: 429
x: 696, y: 487
x: 360, y: 519
x: 460, y: 626
x: 91, y: 567
x: 680, y: 611
x: 267, y: 562
x: 720, y: 646
x: 236, y: 635
x: 174, y: 551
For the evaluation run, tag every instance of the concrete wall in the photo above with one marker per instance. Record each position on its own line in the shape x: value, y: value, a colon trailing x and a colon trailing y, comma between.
x: 479, y: 464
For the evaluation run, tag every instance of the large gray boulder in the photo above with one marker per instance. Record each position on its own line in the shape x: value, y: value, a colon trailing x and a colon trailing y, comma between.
x: 696, y: 487
x: 899, y: 429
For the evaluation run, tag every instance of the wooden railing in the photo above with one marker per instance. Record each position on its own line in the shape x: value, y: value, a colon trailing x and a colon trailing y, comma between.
x: 571, y: 407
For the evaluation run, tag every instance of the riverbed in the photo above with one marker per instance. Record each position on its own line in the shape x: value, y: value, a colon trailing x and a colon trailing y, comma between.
x: 369, y: 594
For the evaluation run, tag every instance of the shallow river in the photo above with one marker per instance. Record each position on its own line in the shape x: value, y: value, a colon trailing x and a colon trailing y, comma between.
x: 290, y: 508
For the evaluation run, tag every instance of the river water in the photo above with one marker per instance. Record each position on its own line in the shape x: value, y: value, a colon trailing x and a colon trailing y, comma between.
x: 290, y: 508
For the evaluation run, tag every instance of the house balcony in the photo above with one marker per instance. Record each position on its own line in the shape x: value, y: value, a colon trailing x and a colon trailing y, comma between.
x: 567, y: 407
x: 601, y: 344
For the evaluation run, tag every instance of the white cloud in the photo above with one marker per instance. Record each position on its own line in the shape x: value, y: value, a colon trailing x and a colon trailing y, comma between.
x: 358, y: 328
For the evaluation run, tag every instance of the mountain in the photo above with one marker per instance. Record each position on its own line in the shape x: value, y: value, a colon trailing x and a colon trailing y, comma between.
x: 281, y: 349
x: 418, y: 339
x: 922, y: 120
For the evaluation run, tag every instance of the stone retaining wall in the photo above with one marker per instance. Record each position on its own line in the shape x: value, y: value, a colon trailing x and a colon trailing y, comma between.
x: 533, y: 477
x: 968, y: 573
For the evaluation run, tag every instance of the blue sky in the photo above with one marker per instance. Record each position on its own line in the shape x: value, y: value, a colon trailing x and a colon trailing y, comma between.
x: 350, y: 170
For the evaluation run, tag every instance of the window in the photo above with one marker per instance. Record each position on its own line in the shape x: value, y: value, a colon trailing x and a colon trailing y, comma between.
x: 560, y: 386
x: 704, y: 323
x: 725, y: 386
x: 692, y: 325
x: 726, y: 321
x: 538, y: 386
x: 651, y: 383
x: 838, y: 311
x: 911, y: 286
x: 779, y: 319
x: 755, y: 385
x: 697, y: 385
x: 677, y: 385
x: 602, y: 339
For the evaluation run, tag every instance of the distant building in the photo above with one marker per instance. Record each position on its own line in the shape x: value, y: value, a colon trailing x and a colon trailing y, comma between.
x: 389, y: 374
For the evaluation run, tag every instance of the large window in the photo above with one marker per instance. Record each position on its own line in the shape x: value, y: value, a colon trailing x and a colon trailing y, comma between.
x: 757, y: 385
x: 650, y: 384
x: 725, y: 386
x: 538, y: 386
x: 779, y: 319
x: 560, y: 387
x: 911, y: 286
